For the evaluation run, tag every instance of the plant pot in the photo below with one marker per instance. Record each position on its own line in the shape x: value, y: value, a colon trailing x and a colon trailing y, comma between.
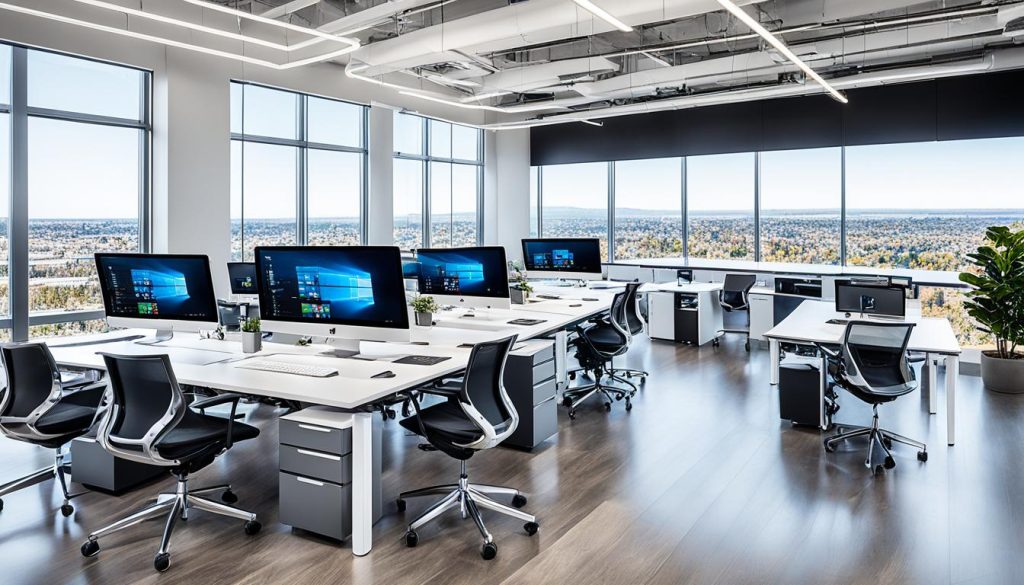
x: 1002, y: 375
x: 424, y: 319
x: 518, y: 296
x: 252, y: 341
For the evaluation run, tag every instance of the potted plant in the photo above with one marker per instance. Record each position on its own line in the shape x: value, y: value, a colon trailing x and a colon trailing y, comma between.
x: 424, y: 306
x: 996, y: 302
x: 252, y: 337
x: 519, y: 286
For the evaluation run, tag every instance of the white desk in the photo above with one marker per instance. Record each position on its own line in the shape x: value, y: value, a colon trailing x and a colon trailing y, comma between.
x: 354, y: 387
x: 932, y: 336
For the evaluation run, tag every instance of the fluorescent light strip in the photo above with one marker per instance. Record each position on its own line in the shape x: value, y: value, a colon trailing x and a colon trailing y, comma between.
x: 656, y: 59
x: 484, y: 96
x: 781, y: 47
x: 603, y: 15
x: 593, y: 123
x: 270, y: 21
x: 173, y: 43
x: 506, y: 110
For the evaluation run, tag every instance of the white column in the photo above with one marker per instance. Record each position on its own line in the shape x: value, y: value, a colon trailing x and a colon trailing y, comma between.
x: 380, y: 208
x: 510, y: 213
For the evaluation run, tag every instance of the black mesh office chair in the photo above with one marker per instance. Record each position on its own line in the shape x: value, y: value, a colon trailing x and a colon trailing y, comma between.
x: 636, y: 325
x: 477, y: 415
x: 872, y: 365
x: 148, y: 421
x: 595, y: 346
x: 733, y: 298
x: 41, y: 407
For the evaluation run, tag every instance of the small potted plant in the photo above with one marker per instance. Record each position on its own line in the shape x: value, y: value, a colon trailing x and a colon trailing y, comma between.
x: 252, y: 336
x: 519, y: 286
x: 996, y: 302
x: 424, y: 306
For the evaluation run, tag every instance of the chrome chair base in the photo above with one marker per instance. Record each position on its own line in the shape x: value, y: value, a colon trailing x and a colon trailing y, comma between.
x: 876, y: 435
x: 175, y: 505
x: 469, y: 498
x: 573, y: 397
x: 61, y: 461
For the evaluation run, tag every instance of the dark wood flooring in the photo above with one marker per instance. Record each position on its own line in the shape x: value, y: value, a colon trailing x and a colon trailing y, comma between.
x: 699, y: 484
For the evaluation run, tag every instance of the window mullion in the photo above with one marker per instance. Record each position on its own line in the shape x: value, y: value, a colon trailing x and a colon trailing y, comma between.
x: 18, y: 223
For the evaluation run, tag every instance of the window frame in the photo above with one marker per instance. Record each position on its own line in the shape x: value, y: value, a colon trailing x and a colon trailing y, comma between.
x: 303, y: 146
x: 21, y: 319
x: 427, y: 158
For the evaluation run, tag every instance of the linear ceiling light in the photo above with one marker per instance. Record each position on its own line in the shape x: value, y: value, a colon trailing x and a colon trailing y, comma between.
x: 656, y: 59
x: 781, y: 47
x: 603, y: 15
x: 350, y: 44
x: 503, y: 110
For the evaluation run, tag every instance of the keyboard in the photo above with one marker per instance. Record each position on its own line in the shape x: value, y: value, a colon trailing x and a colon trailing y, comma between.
x: 286, y: 368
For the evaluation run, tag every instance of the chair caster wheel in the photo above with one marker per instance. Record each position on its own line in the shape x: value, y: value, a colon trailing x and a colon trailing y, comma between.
x: 572, y: 415
x: 252, y: 527
x: 1, y: 505
x: 391, y: 414
x: 518, y: 501
x: 607, y: 406
x: 922, y: 456
x: 162, y: 562
x: 877, y: 470
x: 629, y: 405
x: 228, y: 497
x: 829, y: 447
x: 400, y: 504
x: 566, y: 402
x: 488, y: 551
x: 91, y: 548
x: 889, y: 462
x: 572, y: 376
x: 531, y: 528
x: 746, y: 346
x: 411, y: 539
x: 887, y: 442
x: 715, y: 342
x: 67, y: 510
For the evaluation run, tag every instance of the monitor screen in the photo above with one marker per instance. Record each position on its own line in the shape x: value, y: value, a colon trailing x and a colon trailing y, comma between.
x: 869, y: 299
x: 173, y: 287
x: 353, y: 285
x: 563, y: 255
x: 243, y: 277
x: 476, y: 272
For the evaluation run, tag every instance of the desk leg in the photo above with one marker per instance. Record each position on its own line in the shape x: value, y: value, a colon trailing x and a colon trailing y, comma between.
x: 362, y: 483
x: 561, y: 359
x: 952, y: 375
x: 773, y: 355
x: 933, y: 390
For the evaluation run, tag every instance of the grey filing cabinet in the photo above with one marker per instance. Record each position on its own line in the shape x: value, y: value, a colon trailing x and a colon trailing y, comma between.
x: 315, y: 477
x: 530, y: 384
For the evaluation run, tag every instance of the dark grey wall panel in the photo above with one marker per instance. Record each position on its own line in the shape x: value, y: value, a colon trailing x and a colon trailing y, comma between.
x: 890, y: 113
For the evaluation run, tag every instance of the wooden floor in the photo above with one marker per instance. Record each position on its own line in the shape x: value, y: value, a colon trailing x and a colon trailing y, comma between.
x: 701, y: 483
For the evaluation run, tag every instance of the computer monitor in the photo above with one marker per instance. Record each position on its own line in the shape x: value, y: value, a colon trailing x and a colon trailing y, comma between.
x: 468, y: 277
x: 574, y: 258
x: 166, y: 292
x: 870, y: 299
x: 345, y: 293
x: 243, y: 278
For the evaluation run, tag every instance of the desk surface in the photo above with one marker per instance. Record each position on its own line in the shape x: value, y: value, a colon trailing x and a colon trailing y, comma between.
x: 808, y: 323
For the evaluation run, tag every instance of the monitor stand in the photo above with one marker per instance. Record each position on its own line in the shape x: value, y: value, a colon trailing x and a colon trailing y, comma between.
x: 160, y: 336
x: 342, y: 348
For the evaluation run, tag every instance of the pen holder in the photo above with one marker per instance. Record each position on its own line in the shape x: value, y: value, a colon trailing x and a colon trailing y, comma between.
x: 424, y: 319
x: 252, y: 341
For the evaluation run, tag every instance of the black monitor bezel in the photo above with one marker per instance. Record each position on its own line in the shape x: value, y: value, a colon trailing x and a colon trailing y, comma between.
x: 504, y: 271
x: 213, y: 315
x: 597, y: 241
x: 231, y: 279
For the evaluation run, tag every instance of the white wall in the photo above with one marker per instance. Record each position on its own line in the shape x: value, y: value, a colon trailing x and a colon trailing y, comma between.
x: 509, y: 212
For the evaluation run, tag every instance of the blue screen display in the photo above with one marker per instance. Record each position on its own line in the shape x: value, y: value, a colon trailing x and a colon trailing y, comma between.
x: 354, y: 285
x: 175, y: 287
x: 563, y: 255
x: 476, y: 272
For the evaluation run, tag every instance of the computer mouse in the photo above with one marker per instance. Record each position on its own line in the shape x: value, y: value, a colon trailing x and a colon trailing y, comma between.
x: 589, y: 299
x: 576, y: 305
x: 384, y: 374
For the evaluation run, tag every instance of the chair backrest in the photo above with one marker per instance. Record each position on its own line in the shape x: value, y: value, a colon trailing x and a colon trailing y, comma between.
x: 483, y: 398
x: 634, y: 322
x: 32, y: 378
x: 146, y: 402
x: 617, y: 312
x: 875, y: 354
x: 736, y: 287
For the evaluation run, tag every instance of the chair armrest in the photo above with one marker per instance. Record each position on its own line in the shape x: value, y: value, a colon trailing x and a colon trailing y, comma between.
x: 442, y: 390
x: 222, y: 399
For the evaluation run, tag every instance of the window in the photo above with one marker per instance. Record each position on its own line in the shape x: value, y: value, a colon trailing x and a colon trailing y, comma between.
x: 926, y: 205
x: 575, y: 202
x: 720, y: 206
x: 85, y: 143
x: 801, y: 194
x: 298, y: 170
x: 648, y: 209
x: 451, y: 158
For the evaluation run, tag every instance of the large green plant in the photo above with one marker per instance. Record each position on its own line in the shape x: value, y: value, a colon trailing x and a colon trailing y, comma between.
x: 996, y: 300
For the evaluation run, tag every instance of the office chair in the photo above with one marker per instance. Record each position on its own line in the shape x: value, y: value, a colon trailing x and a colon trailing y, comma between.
x: 40, y: 407
x: 477, y: 415
x: 636, y: 325
x: 595, y: 347
x: 872, y: 364
x: 733, y: 297
x: 148, y: 421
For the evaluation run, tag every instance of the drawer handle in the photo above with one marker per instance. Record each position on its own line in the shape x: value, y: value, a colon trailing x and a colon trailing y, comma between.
x: 316, y: 454
x: 314, y: 428
x: 310, y: 481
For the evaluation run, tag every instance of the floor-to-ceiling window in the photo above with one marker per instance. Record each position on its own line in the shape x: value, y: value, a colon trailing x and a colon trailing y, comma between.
x: 575, y: 202
x: 74, y: 159
x: 438, y: 175
x: 648, y: 208
x: 720, y: 206
x: 297, y: 169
